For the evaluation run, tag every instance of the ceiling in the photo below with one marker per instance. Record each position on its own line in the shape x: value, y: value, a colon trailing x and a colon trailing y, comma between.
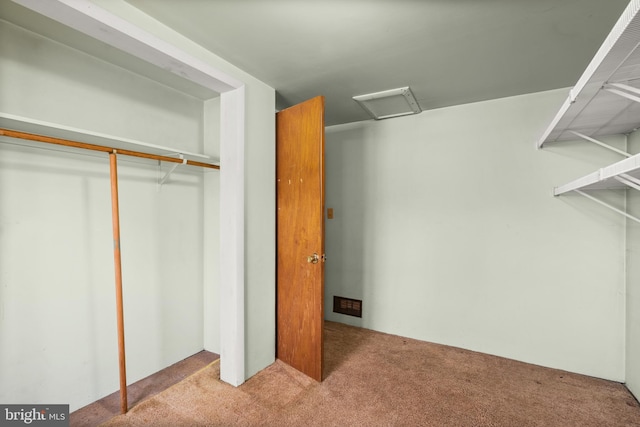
x: 449, y: 52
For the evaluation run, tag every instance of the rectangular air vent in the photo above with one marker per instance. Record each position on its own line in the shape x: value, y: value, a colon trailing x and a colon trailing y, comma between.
x: 348, y: 306
x: 389, y: 103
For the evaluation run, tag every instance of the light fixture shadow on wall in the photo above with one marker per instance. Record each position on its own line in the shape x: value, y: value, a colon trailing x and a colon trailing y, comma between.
x: 389, y: 103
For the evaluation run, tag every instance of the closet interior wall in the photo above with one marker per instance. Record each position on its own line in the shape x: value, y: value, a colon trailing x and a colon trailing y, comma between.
x: 57, y: 305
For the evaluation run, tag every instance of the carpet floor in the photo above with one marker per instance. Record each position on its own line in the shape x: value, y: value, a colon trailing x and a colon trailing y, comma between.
x: 109, y: 406
x: 376, y: 379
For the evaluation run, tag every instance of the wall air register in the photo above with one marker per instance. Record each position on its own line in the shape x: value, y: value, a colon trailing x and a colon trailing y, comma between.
x: 348, y: 306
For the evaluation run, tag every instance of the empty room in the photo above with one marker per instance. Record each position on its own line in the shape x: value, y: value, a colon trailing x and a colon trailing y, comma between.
x: 320, y: 212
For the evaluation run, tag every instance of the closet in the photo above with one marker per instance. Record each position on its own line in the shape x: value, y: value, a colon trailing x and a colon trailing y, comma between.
x: 119, y: 92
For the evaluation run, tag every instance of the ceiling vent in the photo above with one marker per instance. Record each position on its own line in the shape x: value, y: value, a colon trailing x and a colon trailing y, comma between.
x: 389, y: 103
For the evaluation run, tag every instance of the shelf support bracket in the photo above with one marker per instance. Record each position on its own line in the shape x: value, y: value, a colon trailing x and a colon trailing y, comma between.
x: 628, y: 180
x: 173, y: 168
x: 588, y: 196
x: 617, y: 90
x: 625, y: 87
x: 600, y: 143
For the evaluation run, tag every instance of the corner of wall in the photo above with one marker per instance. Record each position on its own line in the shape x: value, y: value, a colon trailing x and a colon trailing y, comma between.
x: 632, y: 279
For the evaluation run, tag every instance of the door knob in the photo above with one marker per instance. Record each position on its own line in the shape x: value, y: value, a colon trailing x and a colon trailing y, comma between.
x: 313, y: 259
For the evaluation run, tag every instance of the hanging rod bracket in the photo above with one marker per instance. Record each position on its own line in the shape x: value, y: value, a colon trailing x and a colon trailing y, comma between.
x: 600, y: 143
x: 173, y: 168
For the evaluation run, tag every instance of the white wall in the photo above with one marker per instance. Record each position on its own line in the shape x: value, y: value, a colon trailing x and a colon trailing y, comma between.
x: 633, y: 283
x: 446, y: 228
x: 57, y: 327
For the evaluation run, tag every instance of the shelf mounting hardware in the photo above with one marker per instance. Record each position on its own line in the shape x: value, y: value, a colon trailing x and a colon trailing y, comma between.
x: 607, y: 205
x: 600, y: 143
x: 173, y: 168
x: 628, y: 180
x: 619, y: 89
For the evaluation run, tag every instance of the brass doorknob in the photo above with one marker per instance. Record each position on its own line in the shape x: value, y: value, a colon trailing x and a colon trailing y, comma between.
x: 313, y: 259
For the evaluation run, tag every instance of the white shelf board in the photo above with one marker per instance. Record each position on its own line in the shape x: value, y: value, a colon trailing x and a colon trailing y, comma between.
x: 591, y: 110
x: 39, y: 127
x: 604, y: 178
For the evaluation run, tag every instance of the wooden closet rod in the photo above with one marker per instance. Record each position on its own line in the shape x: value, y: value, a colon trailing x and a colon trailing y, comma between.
x: 102, y: 148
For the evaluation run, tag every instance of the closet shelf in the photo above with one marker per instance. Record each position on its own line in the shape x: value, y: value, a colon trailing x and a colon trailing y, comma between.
x: 605, y: 101
x: 620, y: 175
x: 606, y: 98
x: 29, y: 125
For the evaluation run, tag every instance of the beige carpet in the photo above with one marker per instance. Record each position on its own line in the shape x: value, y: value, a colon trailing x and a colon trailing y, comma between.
x: 109, y: 406
x: 375, y: 379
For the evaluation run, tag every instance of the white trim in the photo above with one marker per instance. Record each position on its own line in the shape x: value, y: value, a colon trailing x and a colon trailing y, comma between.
x: 98, y: 23
x: 232, y: 369
x: 102, y: 25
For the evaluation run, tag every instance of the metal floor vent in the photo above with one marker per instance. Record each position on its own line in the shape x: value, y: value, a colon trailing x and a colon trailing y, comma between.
x: 348, y: 306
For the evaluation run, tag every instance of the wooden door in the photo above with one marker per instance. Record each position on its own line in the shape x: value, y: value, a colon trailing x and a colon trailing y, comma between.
x: 300, y: 235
